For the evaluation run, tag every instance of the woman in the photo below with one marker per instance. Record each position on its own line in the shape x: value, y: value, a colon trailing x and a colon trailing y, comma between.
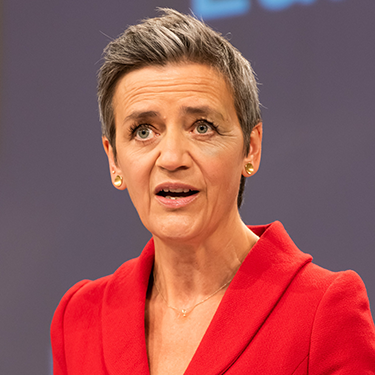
x: 182, y: 130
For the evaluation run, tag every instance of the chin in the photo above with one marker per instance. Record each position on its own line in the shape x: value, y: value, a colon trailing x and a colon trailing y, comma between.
x: 174, y: 229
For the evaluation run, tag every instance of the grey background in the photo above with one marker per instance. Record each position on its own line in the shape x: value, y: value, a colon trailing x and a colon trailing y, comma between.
x: 60, y: 218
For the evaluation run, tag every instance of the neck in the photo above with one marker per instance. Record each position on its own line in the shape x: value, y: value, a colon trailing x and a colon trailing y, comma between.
x: 186, y: 273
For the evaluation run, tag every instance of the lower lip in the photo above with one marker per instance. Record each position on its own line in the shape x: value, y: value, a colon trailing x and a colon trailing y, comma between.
x: 176, y: 203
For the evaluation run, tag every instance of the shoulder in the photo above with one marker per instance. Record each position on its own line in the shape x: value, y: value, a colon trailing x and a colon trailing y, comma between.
x: 81, y: 305
x: 88, y: 294
x: 344, y: 298
x: 324, y: 279
x: 77, y: 318
x: 85, y: 298
x: 343, y: 332
x: 336, y: 290
x: 277, y: 245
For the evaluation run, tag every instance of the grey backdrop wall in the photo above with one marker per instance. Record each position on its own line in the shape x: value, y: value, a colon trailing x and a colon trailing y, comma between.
x: 62, y: 221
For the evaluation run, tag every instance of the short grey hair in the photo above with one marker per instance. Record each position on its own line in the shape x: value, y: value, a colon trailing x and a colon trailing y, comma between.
x: 174, y: 38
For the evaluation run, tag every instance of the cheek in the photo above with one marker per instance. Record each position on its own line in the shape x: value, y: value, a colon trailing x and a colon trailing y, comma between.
x: 136, y: 173
x: 223, y: 170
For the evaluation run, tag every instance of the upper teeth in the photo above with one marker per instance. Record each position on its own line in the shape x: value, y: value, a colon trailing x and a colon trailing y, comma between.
x: 177, y: 190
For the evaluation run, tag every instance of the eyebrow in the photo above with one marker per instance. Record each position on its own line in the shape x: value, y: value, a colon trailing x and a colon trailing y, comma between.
x: 202, y: 110
x: 138, y: 115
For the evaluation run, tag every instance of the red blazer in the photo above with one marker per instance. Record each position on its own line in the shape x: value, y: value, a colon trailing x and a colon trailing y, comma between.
x: 280, y: 315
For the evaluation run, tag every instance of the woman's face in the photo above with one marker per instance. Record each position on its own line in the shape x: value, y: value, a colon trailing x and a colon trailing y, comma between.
x: 180, y: 149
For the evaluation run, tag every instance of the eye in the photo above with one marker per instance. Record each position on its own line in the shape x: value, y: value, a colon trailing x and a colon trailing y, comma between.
x: 142, y: 132
x: 204, y: 127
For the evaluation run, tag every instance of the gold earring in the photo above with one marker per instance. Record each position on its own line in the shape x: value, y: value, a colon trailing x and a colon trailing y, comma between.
x: 249, y: 168
x: 118, y: 181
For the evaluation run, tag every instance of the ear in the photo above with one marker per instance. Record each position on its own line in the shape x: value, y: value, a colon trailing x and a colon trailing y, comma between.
x: 255, y: 149
x: 114, y: 169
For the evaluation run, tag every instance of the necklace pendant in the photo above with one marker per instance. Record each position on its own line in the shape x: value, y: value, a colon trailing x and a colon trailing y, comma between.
x: 184, y: 312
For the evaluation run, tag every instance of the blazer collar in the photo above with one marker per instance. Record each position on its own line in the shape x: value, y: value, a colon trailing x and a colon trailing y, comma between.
x: 124, y: 342
x: 255, y: 290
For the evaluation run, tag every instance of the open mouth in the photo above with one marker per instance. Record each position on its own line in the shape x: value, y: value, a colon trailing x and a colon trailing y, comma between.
x: 176, y: 193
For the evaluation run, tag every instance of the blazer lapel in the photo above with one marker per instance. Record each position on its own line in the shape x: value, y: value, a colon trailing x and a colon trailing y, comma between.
x: 255, y: 290
x: 124, y: 343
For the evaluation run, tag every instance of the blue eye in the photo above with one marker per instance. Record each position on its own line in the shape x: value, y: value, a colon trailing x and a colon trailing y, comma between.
x: 202, y: 128
x: 143, y: 133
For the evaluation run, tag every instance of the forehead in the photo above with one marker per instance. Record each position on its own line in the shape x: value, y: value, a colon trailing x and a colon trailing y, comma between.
x: 174, y: 83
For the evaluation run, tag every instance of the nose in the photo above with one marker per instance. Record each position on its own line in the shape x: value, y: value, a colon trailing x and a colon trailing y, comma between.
x: 173, y: 152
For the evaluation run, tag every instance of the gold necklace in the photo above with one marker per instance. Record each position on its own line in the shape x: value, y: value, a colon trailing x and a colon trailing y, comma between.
x: 188, y: 310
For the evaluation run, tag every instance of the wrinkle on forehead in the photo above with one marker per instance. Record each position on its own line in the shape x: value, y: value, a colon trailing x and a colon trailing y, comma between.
x: 201, y: 84
x: 168, y: 79
x: 131, y: 93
